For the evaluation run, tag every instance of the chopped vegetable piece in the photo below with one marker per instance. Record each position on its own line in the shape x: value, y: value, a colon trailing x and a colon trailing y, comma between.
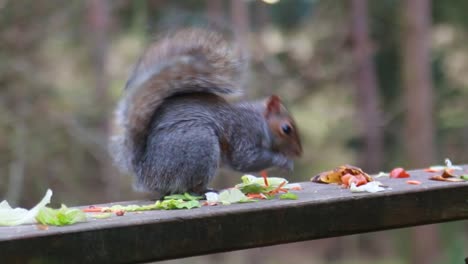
x: 288, y: 196
x: 93, y: 210
x: 464, y: 177
x: 264, y: 175
x: 171, y: 204
x: 343, y: 175
x: 232, y: 195
x: 399, y: 173
x: 211, y: 196
x: 119, y: 213
x: 185, y: 197
x: 272, y: 181
x: 252, y: 184
x: 256, y: 196
x: 371, y: 187
x: 450, y: 179
x: 413, y: 182
x: 18, y: 216
x: 60, y: 217
x: 448, y: 173
x: 358, y: 180
x: 102, y: 216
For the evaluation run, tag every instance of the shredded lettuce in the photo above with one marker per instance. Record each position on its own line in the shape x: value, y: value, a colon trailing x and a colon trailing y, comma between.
x: 18, y: 216
x: 185, y: 197
x: 288, y: 196
x: 272, y: 181
x: 176, y: 204
x: 168, y: 204
x: 60, y: 217
x: 232, y: 195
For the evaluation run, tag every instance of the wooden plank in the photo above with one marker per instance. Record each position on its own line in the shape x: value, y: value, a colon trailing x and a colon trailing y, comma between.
x: 321, y: 211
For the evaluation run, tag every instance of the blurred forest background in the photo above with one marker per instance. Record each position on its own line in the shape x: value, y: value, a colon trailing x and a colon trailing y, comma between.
x: 376, y: 84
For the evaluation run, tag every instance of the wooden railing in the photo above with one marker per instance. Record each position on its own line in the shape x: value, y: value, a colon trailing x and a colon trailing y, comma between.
x: 321, y: 211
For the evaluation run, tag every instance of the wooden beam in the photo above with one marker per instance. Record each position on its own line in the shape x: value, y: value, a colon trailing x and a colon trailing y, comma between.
x: 321, y: 211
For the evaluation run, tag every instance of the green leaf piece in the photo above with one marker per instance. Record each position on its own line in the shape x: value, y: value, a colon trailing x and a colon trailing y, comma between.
x: 288, y: 196
x: 60, y: 217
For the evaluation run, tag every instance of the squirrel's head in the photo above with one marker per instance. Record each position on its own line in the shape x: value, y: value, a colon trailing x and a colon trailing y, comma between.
x: 286, y: 139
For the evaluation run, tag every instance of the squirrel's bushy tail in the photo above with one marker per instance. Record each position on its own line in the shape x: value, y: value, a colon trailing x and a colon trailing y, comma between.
x: 191, y: 60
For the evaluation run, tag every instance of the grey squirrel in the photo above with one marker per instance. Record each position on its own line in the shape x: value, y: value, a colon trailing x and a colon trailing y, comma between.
x: 177, y: 125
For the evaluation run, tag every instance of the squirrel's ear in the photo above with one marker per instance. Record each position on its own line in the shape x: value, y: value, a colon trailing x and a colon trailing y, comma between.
x: 273, y: 105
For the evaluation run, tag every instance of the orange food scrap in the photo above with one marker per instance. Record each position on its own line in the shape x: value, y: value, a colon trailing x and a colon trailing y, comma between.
x: 413, y: 182
x: 256, y: 196
x: 278, y: 189
x: 296, y: 188
x: 93, y: 209
x: 264, y: 175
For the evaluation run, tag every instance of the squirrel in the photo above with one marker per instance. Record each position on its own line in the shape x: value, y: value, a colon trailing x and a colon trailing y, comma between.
x: 177, y: 123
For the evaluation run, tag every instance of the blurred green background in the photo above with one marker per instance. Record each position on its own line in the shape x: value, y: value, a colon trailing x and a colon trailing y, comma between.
x: 376, y: 84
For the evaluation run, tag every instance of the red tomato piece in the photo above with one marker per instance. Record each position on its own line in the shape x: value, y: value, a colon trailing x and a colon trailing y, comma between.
x: 345, y: 179
x: 399, y: 173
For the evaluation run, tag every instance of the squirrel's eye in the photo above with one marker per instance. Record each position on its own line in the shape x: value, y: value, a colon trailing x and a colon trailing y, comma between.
x: 286, y: 128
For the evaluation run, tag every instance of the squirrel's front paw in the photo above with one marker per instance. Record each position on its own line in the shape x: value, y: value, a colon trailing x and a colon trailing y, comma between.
x: 289, y: 166
x: 285, y: 164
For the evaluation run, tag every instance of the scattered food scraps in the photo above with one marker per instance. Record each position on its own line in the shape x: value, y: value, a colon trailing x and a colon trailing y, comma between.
x: 345, y: 175
x: 448, y: 165
x: 440, y: 178
x: 448, y: 176
x: 268, y: 185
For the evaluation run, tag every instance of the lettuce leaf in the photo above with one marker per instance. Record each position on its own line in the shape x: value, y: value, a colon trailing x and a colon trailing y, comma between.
x: 288, y: 196
x: 176, y: 204
x: 18, y: 216
x: 60, y: 217
x: 232, y: 195
x: 185, y: 197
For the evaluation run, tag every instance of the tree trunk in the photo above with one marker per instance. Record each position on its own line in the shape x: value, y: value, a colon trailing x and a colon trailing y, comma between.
x: 240, y: 22
x: 419, y: 125
x: 366, y: 87
x: 214, y: 10
x: 99, y: 25
x: 368, y: 111
x: 18, y: 165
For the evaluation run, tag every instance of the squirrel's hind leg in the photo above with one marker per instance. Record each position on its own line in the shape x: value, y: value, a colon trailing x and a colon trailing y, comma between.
x: 182, y: 160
